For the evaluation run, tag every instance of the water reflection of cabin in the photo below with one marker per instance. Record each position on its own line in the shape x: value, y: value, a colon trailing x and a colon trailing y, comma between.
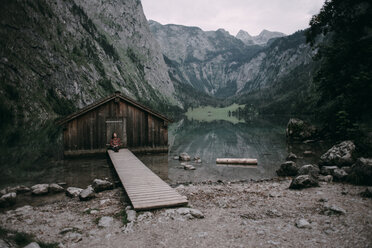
x: 89, y: 130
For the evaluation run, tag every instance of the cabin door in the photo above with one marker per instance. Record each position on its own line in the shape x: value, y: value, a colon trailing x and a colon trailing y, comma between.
x: 117, y: 125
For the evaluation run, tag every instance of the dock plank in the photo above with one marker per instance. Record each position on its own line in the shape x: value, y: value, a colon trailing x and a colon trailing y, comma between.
x: 144, y: 188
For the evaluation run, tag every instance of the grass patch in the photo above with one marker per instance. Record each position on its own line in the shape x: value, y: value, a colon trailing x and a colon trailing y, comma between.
x: 22, y: 239
x: 209, y: 114
x: 122, y: 215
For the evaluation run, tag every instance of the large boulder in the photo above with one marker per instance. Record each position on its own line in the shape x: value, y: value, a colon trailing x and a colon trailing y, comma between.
x: 309, y: 169
x: 184, y: 157
x: 361, y: 172
x: 8, y: 199
x: 40, y: 189
x: 101, y: 185
x: 73, y: 191
x: 289, y: 168
x: 87, y: 194
x: 339, y: 155
x: 303, y: 181
x: 299, y: 130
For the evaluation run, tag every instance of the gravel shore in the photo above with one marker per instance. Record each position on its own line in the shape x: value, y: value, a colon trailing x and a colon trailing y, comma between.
x: 241, y: 214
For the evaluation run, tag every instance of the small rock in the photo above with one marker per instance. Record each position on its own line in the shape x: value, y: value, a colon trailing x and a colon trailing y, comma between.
x: 328, y: 170
x: 303, y: 181
x: 361, y: 172
x: 66, y: 230
x: 333, y: 210
x: 62, y: 184
x: 105, y: 221
x: 308, y: 153
x: 176, y: 157
x: 101, y: 185
x: 198, y: 161
x: 288, y: 168
x: 302, y: 223
x: 180, y: 187
x: 32, y: 245
x: 367, y: 193
x: 128, y: 207
x: 339, y: 155
x: 339, y: 174
x: 188, y: 167
x: 8, y: 199
x: 184, y: 157
x: 183, y: 211
x: 3, y: 191
x: 131, y: 215
x: 73, y: 191
x: 74, y: 237
x: 291, y: 157
x: 202, y: 234
x: 24, y: 210
x: 196, y: 213
x: 94, y: 211
x: 145, y: 216
x: 40, y: 189
x: 55, y: 188
x: 327, y: 179
x: 87, y: 194
x: 309, y: 169
x: 19, y: 189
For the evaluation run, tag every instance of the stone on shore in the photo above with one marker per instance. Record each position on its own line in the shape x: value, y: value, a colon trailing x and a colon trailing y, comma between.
x: 8, y: 199
x: 73, y: 191
x: 101, y: 185
x: 40, y: 189
x: 298, y: 130
x: 361, y: 172
x: 289, y: 168
x: 327, y: 179
x: 105, y: 221
x: 188, y: 167
x: 20, y: 189
x: 339, y: 155
x: 32, y: 245
x: 303, y: 181
x: 309, y: 169
x: 87, y: 194
x: 190, y: 212
x: 291, y: 157
x: 327, y: 170
x: 333, y: 210
x: 339, y: 175
x: 131, y: 215
x: 302, y: 223
x: 184, y: 157
x: 367, y: 192
x: 55, y: 188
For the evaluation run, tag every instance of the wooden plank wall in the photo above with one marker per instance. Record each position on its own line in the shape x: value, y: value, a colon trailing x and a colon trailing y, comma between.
x: 88, y: 131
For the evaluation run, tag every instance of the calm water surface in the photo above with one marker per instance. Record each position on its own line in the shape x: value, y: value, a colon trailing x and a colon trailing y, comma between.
x: 260, y: 138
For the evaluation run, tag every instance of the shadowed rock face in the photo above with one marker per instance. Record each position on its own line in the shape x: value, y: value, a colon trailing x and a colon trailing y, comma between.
x: 61, y: 55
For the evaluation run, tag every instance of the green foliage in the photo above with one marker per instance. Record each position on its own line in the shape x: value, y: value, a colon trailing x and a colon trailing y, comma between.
x: 60, y: 105
x: 344, y: 80
x: 23, y: 239
x: 106, y: 85
x: 122, y: 215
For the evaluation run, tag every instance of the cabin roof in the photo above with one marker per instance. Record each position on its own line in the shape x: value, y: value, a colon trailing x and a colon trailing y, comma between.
x: 107, y: 99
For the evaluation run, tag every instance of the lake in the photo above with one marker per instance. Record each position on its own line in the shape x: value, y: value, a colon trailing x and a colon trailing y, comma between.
x: 262, y: 138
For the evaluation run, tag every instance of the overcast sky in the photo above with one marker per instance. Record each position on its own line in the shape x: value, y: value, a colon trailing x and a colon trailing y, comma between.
x: 285, y: 16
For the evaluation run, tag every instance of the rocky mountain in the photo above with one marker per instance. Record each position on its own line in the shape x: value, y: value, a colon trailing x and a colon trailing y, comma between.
x: 261, y: 39
x: 56, y: 56
x: 221, y: 65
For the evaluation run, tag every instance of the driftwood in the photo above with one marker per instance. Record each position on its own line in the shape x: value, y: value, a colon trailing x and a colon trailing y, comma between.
x: 249, y: 161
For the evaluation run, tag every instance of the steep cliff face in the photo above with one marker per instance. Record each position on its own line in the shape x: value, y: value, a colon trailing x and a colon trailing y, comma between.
x: 221, y: 65
x: 56, y: 56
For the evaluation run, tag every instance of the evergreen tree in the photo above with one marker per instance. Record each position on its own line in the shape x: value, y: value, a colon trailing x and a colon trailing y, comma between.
x: 342, y: 36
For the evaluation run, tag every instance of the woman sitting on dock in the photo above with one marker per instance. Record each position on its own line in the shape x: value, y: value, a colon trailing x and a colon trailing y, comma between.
x: 115, y: 142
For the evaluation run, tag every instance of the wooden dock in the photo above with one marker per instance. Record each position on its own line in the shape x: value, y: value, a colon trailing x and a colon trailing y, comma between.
x: 144, y: 188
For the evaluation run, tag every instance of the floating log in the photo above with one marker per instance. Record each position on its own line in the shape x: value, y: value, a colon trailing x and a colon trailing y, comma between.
x: 249, y: 161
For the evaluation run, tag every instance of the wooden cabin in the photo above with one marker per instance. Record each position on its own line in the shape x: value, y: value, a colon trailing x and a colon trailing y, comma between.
x: 89, y: 130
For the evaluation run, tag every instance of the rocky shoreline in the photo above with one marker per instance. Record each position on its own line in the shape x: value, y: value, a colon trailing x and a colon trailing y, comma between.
x: 221, y: 214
